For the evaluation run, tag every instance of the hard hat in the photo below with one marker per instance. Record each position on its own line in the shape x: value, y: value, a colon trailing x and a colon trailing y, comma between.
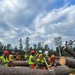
x: 53, y: 56
x: 16, y: 52
x: 12, y: 52
x: 32, y: 52
x: 46, y: 52
x: 40, y: 51
x: 6, y: 52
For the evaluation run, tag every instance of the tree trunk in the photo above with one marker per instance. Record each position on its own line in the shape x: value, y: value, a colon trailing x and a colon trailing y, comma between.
x: 25, y: 63
x: 70, y: 62
x: 59, y: 70
x: 24, y: 71
x: 20, y: 63
x: 69, y: 51
x: 62, y: 70
x: 57, y: 63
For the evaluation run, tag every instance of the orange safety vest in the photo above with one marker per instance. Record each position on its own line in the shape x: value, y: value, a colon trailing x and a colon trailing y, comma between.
x: 17, y: 57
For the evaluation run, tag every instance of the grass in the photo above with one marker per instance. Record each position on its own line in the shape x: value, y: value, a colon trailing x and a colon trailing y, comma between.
x: 72, y: 70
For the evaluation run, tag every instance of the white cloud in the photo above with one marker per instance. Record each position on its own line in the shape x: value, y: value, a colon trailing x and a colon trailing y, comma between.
x: 56, y: 23
x: 24, y: 19
x: 10, y: 34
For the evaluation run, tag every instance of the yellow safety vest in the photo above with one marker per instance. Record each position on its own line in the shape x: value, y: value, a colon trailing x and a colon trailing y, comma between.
x: 4, y: 61
x: 30, y: 60
x: 11, y: 57
x: 39, y: 58
x: 26, y: 56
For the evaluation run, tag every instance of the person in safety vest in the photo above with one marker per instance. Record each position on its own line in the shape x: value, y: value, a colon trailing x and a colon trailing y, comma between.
x: 17, y: 56
x: 46, y: 57
x: 11, y: 59
x: 52, y: 60
x: 32, y: 59
x: 4, y: 58
x: 40, y: 60
x: 26, y: 56
x: 39, y: 56
x: 46, y: 54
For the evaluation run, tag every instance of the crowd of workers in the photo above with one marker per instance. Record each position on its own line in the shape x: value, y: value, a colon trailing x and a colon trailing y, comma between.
x: 35, y: 59
x: 41, y: 60
x: 6, y: 59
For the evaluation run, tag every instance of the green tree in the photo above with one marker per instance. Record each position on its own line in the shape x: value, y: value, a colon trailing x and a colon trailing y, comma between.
x: 27, y: 44
x: 20, y: 46
x: 9, y: 46
x: 39, y: 45
x: 35, y: 46
x: 1, y: 48
x: 46, y: 47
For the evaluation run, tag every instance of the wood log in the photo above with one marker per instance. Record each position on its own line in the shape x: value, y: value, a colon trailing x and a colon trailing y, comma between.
x: 24, y: 71
x: 57, y: 63
x: 62, y: 70
x: 70, y: 62
x: 59, y: 70
x: 69, y: 51
x: 25, y: 63
x: 20, y: 63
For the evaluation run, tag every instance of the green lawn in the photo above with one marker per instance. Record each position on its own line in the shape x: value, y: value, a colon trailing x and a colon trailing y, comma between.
x: 72, y: 70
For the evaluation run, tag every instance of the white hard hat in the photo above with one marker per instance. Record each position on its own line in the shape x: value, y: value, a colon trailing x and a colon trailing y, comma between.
x: 46, y: 52
x: 40, y: 51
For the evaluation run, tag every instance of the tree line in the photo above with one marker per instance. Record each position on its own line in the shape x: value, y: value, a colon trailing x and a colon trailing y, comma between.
x: 39, y: 46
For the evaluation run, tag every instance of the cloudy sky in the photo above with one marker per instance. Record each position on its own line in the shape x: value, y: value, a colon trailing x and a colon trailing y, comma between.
x: 40, y: 20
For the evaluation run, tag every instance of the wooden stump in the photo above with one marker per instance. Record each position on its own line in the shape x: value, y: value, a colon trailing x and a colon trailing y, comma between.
x: 70, y: 62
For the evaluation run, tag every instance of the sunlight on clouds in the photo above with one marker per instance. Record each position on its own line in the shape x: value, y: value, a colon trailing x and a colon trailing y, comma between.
x: 48, y: 18
x: 40, y: 30
x: 37, y: 20
x: 14, y: 5
x: 11, y: 34
x: 55, y: 17
x: 1, y: 40
x: 9, y: 5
